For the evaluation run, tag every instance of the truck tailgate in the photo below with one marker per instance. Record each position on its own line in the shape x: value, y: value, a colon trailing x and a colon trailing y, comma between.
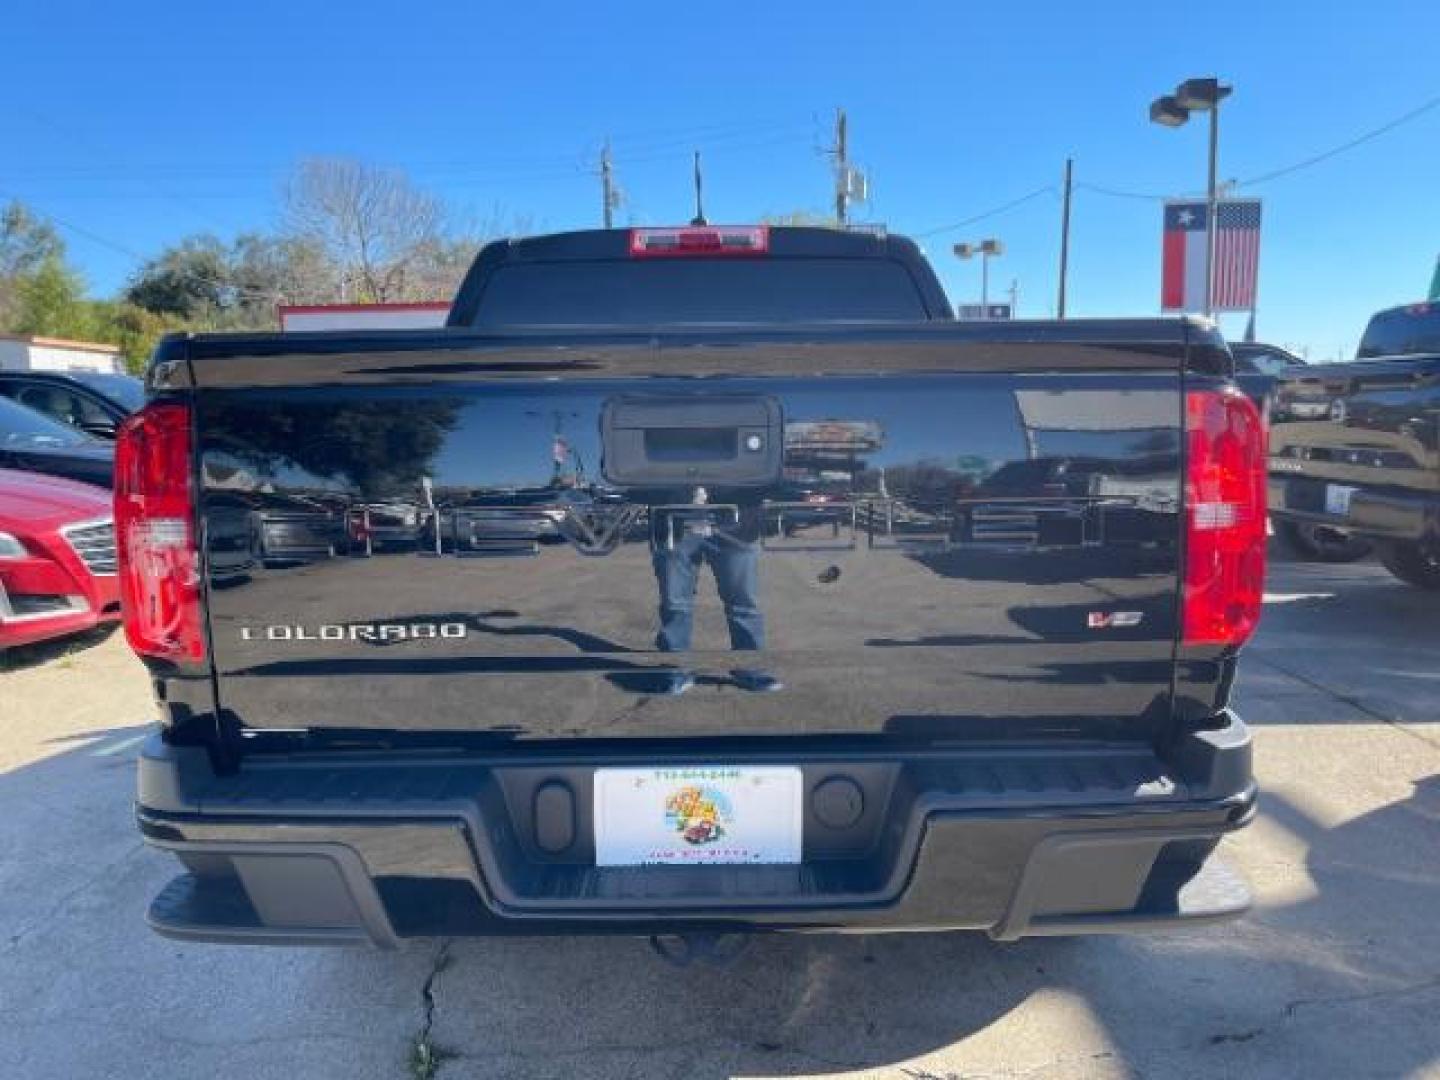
x: 1359, y: 443
x: 942, y: 541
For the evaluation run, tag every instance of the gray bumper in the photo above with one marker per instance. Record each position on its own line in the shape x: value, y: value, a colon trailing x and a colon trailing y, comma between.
x: 1375, y: 512
x: 1013, y: 843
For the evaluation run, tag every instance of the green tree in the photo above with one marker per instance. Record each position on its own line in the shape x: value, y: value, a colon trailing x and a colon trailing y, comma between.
x: 190, y: 280
x: 208, y: 284
x: 133, y: 328
x: 50, y: 300
x: 27, y: 242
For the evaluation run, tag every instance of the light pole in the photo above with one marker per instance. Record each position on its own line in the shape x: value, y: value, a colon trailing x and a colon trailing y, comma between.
x: 985, y: 249
x: 1172, y: 110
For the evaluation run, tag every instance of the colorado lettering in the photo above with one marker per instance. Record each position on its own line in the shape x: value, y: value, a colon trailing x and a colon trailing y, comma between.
x: 384, y: 632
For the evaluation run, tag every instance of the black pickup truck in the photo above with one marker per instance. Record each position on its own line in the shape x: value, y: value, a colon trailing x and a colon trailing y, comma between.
x: 1356, y: 446
x: 697, y: 580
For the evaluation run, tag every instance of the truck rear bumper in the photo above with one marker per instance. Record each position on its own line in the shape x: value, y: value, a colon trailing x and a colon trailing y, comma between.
x: 1373, y: 512
x: 1011, y: 842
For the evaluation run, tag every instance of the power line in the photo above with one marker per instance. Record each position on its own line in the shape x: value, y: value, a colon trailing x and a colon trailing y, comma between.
x: 1115, y: 193
x: 627, y: 148
x: 706, y: 144
x: 139, y: 260
x: 1284, y: 170
x: 109, y: 155
x: 79, y: 230
x: 1325, y: 155
x: 1047, y: 189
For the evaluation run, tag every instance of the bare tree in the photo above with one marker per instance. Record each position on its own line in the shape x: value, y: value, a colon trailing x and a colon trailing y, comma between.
x: 373, y: 223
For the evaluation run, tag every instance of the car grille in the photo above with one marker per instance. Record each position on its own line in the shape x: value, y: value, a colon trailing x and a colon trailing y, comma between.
x: 94, y: 542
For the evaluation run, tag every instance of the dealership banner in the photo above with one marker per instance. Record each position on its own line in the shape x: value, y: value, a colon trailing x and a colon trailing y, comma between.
x: 1237, y: 255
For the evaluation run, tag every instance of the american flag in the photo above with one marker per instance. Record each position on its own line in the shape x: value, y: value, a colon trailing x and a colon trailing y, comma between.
x: 1237, y: 255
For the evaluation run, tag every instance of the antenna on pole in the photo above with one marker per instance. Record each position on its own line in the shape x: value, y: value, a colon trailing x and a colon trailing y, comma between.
x: 609, y: 197
x: 699, y: 218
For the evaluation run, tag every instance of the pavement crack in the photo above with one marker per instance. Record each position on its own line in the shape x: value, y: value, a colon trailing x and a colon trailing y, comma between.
x: 1354, y: 702
x: 425, y: 1057
x: 60, y: 904
x: 1291, y: 1008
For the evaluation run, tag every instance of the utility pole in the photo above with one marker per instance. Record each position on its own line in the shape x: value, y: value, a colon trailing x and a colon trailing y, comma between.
x: 1065, y: 238
x: 842, y: 171
x: 1014, y: 296
x: 699, y: 218
x: 607, y: 186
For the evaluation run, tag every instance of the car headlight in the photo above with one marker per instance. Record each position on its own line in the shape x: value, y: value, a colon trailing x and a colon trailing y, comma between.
x: 11, y: 547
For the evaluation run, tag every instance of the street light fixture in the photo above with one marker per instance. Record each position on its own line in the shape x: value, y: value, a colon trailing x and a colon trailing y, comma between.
x: 1169, y: 112
x: 986, y: 249
x: 1173, y: 110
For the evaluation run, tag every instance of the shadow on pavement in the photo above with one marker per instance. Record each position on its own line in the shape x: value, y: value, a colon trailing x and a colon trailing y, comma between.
x: 1336, y: 973
x: 1342, y: 980
x: 43, y: 652
x: 1336, y: 984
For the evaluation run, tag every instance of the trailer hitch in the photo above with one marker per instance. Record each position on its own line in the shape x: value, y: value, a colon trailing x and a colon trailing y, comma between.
x: 712, y: 949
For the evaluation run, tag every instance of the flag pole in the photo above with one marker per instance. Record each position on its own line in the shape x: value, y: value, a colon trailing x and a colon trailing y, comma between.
x: 1211, y: 201
x: 1255, y: 283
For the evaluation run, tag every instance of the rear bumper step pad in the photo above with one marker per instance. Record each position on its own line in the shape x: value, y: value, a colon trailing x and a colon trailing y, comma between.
x: 300, y: 899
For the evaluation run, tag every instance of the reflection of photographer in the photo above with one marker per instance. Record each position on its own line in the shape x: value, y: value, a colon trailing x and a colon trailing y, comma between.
x: 726, y: 539
x: 674, y: 451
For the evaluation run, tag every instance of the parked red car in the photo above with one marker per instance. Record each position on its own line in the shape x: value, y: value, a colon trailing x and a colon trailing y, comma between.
x: 57, y: 558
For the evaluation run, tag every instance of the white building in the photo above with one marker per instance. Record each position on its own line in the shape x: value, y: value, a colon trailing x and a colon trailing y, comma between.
x: 27, y: 352
x: 412, y: 316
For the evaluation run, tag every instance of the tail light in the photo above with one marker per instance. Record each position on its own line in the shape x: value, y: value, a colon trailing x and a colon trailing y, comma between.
x: 1225, y: 523
x: 700, y: 240
x: 155, y: 534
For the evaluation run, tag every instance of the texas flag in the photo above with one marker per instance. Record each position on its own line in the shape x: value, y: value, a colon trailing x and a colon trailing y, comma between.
x: 1182, y: 277
x: 1237, y: 255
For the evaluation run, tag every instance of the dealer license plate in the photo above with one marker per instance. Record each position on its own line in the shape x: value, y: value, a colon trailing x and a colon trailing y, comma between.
x: 1337, y: 499
x: 702, y: 815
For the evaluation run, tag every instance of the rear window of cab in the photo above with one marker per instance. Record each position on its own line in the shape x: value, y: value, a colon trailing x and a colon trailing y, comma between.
x: 1406, y: 331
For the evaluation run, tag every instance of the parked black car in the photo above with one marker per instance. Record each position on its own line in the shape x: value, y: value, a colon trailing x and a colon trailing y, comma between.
x: 1259, y: 369
x: 94, y: 402
x: 31, y: 441
x: 1258, y: 357
x: 1357, y: 446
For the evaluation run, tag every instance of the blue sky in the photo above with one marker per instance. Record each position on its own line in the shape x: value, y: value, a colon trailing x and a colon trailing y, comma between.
x: 141, y: 122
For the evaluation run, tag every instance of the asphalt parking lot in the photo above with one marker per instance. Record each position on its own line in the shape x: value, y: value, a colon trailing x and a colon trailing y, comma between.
x: 1335, y: 973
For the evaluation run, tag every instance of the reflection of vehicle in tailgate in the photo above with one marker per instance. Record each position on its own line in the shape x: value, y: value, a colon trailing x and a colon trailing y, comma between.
x: 785, y: 602
x: 1357, y: 445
